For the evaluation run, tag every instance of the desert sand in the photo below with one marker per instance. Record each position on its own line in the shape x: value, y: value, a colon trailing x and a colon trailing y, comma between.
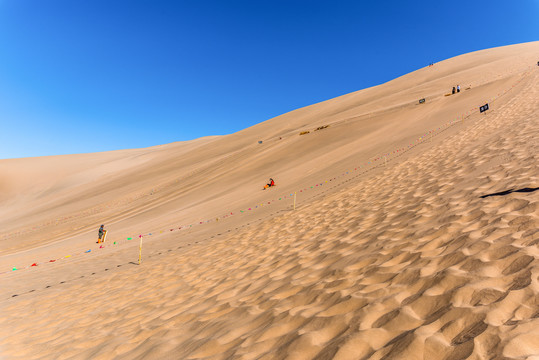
x: 414, y: 234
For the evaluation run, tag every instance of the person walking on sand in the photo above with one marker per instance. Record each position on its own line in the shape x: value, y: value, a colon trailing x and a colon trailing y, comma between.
x: 453, y: 92
x: 100, y: 234
x: 458, y: 88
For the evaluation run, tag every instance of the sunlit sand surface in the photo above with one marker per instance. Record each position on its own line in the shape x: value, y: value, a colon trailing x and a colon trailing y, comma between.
x: 429, y: 252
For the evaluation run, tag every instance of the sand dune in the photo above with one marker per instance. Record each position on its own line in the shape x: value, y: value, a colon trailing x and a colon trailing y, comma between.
x: 409, y: 244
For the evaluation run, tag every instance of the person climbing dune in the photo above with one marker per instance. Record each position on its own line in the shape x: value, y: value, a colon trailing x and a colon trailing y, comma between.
x: 101, y: 234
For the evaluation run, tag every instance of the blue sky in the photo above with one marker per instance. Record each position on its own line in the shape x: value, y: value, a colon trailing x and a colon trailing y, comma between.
x: 100, y: 75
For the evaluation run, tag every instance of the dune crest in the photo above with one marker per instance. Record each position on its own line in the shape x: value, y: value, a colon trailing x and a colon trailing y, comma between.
x: 428, y: 252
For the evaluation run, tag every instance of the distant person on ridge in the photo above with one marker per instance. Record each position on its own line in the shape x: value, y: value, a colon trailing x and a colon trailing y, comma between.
x: 453, y: 90
x: 270, y: 184
x: 458, y: 88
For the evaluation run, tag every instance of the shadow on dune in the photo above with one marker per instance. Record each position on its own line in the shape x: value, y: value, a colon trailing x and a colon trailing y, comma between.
x: 506, y: 192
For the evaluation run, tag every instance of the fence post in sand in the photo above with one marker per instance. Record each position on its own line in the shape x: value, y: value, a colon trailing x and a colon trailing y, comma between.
x: 140, y: 250
x: 294, y: 200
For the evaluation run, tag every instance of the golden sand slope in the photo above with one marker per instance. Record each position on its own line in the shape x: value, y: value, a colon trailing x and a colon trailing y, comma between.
x: 65, y: 198
x: 405, y: 261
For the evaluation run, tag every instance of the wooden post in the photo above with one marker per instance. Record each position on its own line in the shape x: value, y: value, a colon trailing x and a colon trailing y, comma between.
x: 140, y: 250
x: 294, y: 200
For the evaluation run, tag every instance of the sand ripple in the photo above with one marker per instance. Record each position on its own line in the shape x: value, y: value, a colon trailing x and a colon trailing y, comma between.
x: 428, y: 270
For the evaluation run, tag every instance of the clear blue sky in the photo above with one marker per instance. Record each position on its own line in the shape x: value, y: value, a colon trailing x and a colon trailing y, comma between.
x: 100, y: 75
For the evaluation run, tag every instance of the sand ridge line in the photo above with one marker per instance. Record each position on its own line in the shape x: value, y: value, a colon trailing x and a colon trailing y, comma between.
x: 409, y: 262
x: 403, y: 150
x: 456, y: 341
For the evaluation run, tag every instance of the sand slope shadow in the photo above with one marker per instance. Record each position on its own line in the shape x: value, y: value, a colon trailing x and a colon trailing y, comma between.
x: 506, y: 192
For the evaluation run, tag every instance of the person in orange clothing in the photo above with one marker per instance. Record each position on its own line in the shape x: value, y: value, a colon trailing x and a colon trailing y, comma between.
x: 270, y: 184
